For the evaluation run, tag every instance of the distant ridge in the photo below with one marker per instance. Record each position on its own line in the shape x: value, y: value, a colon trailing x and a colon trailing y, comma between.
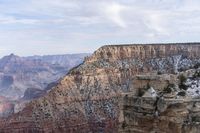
x: 182, y: 43
x: 26, y: 78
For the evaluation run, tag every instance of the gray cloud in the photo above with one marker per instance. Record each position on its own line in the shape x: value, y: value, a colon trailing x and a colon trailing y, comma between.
x: 65, y: 26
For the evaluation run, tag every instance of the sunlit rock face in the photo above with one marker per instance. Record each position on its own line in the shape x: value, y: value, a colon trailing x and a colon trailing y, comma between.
x: 90, y: 98
x: 175, y: 108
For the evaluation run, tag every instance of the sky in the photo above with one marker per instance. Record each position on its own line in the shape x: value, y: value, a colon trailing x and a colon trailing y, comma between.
x: 41, y: 27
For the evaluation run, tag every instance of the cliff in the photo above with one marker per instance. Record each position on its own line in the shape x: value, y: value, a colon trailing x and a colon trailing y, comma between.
x: 89, y: 97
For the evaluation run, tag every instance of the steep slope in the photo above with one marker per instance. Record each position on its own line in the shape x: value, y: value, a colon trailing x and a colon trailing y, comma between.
x: 88, y: 98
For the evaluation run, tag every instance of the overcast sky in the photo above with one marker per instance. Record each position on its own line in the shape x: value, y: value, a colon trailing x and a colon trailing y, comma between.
x: 30, y: 27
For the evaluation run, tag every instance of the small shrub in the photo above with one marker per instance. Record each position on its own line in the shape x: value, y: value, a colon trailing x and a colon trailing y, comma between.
x: 182, y: 80
x: 196, y: 74
x: 141, y: 92
x: 148, y: 86
x: 109, y: 54
x: 171, y: 85
x: 183, y: 86
x: 195, y: 119
x: 181, y: 93
x: 124, y: 125
x: 181, y: 69
x: 159, y: 72
x: 197, y: 65
x: 169, y: 88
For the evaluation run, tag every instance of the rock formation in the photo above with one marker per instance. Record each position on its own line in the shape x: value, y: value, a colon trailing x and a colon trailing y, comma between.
x: 120, y: 88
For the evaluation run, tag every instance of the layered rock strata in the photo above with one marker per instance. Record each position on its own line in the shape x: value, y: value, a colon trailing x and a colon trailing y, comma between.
x: 88, y: 98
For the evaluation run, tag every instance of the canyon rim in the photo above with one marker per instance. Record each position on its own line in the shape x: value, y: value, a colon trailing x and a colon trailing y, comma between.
x: 138, y: 88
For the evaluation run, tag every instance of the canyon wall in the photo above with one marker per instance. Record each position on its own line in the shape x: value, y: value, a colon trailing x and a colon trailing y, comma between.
x: 90, y: 97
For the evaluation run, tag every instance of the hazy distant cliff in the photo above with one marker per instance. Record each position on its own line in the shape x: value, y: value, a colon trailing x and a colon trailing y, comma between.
x: 89, y: 97
x: 20, y: 73
x: 67, y: 60
x: 29, y: 77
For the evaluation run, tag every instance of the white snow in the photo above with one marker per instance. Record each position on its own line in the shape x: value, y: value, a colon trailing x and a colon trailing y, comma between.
x: 176, y: 62
x: 150, y: 93
x: 194, y: 87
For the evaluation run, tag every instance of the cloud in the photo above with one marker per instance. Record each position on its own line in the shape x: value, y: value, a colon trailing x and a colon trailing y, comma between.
x: 74, y: 26
x: 156, y: 23
x: 113, y: 12
x: 13, y: 20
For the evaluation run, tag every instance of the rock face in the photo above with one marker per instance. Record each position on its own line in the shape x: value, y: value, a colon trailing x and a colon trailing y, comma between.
x: 113, y: 89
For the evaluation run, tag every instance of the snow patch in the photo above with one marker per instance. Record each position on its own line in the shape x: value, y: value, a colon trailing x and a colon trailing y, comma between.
x: 150, y: 93
x: 193, y: 87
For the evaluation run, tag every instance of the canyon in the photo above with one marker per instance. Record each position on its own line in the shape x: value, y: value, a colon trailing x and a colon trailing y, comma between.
x: 138, y: 88
x: 25, y: 78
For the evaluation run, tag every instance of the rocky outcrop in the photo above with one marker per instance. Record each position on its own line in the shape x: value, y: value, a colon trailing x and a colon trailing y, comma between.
x: 88, y: 98
x: 164, y: 113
